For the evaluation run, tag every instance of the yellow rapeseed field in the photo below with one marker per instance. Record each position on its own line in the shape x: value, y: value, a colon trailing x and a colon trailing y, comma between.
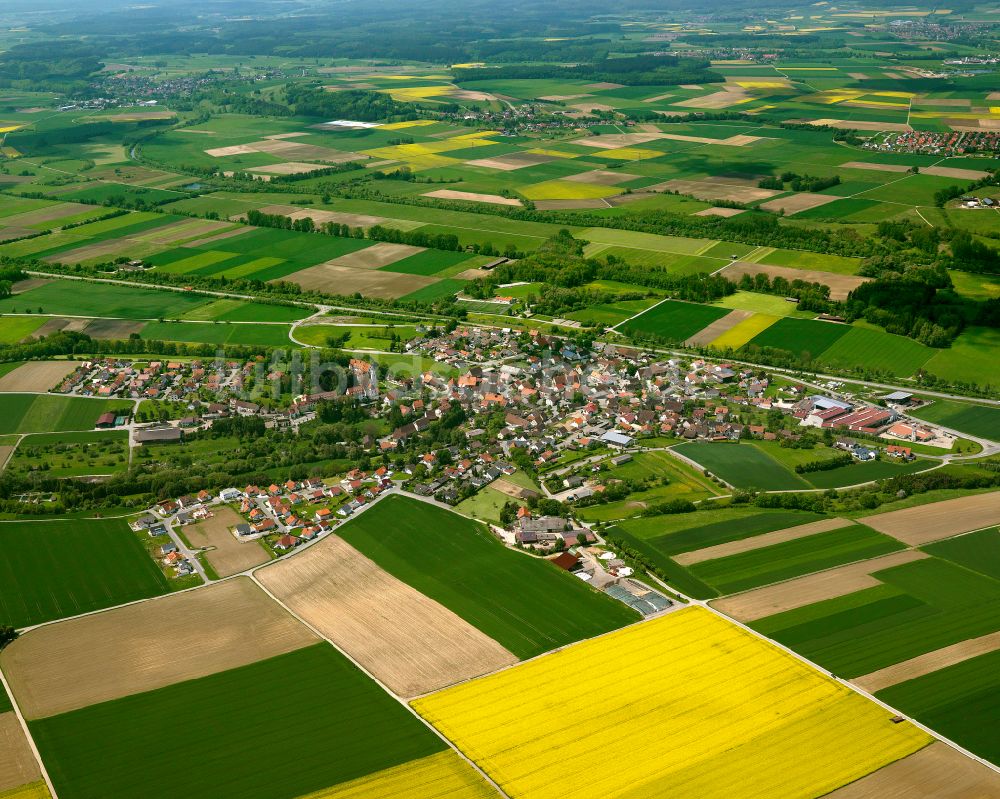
x: 36, y: 790
x: 741, y: 333
x: 413, y: 123
x: 441, y: 776
x: 629, y: 154
x: 687, y: 706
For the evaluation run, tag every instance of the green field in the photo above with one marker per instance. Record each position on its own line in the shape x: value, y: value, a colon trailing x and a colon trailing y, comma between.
x: 102, y: 299
x: 657, y: 538
x: 877, y: 350
x: 976, y: 420
x: 742, y: 465
x: 793, y: 558
x: 338, y: 723
x: 674, y: 321
x: 71, y: 454
x: 52, y: 569
x: 979, y: 551
x: 961, y: 702
x: 52, y: 413
x: 15, y: 328
x: 922, y: 606
x: 526, y: 604
x: 806, y: 338
x: 220, y: 333
x: 858, y: 473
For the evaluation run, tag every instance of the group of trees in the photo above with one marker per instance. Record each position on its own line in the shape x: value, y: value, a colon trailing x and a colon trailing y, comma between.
x: 312, y: 100
x: 639, y: 70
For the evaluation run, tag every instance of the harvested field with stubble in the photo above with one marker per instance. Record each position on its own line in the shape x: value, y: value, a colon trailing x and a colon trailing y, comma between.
x: 926, y: 523
x: 17, y: 764
x: 227, y: 555
x: 840, y: 285
x: 141, y: 647
x: 762, y: 602
x: 935, y: 772
x: 37, y: 376
x: 927, y: 663
x: 411, y: 643
x: 760, y: 541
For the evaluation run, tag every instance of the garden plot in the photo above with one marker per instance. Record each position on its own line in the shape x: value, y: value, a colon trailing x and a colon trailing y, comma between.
x: 226, y: 555
x: 840, y: 285
x: 37, y: 376
x: 927, y: 663
x: 935, y: 772
x: 926, y: 523
x: 141, y: 647
x: 409, y: 642
x: 837, y: 582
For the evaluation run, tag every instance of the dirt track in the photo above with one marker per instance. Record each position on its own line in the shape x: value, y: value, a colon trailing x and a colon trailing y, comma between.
x: 408, y: 641
x: 72, y: 664
x: 17, y: 764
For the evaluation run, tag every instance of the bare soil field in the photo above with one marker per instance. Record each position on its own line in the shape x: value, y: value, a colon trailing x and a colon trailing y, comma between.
x: 47, y: 214
x: 954, y: 172
x: 801, y: 201
x: 347, y: 280
x: 115, y: 329
x: 30, y: 283
x: 99, y: 249
x: 17, y: 764
x: 856, y: 124
x: 935, y: 772
x: 512, y: 489
x: 233, y: 149
x: 37, y: 376
x: 12, y: 233
x: 319, y: 217
x: 719, y: 212
x: 587, y: 107
x: 717, y: 328
x: 602, y: 177
x: 713, y: 190
x: 408, y: 641
x: 840, y: 285
x: 183, y: 229
x: 926, y: 523
x: 658, y: 98
x: 767, y: 601
x: 376, y: 256
x: 227, y: 556
x: 927, y: 663
x: 942, y: 102
x: 561, y: 98
x: 128, y: 650
x: 614, y: 141
x: 226, y: 234
x: 603, y: 85
x: 760, y: 541
x: 717, y: 100
x: 287, y: 168
x: 508, y: 163
x: 876, y: 167
x: 492, y: 199
x: 138, y: 116
x: 570, y: 205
